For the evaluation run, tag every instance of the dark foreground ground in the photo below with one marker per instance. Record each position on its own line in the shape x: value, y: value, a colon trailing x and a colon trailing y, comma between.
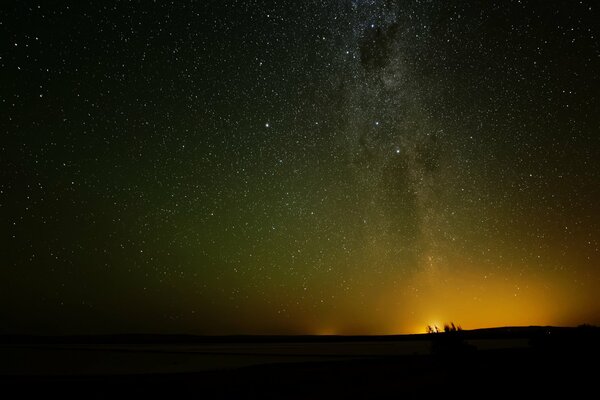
x: 553, y: 364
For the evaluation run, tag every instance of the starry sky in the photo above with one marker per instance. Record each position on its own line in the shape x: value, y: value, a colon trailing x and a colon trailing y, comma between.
x: 298, y: 167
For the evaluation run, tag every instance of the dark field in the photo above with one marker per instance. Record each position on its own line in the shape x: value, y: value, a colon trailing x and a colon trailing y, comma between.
x: 499, y: 363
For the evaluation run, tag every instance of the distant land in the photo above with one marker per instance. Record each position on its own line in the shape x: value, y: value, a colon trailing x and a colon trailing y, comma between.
x: 506, y: 362
x: 507, y: 332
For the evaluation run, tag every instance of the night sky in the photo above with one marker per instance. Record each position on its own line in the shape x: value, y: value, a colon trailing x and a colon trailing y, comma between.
x: 305, y: 167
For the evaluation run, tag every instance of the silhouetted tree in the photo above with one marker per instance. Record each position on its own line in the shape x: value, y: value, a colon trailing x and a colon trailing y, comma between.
x: 450, y: 341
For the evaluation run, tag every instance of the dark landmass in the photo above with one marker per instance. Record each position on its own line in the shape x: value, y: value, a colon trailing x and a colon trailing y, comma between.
x: 556, y: 362
x: 485, y: 333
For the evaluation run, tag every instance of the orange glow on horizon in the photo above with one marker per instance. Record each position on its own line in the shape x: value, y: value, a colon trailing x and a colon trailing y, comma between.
x: 470, y: 300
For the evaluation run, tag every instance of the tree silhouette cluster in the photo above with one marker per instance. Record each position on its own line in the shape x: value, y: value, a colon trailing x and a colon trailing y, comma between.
x: 447, y: 328
x: 449, y: 341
